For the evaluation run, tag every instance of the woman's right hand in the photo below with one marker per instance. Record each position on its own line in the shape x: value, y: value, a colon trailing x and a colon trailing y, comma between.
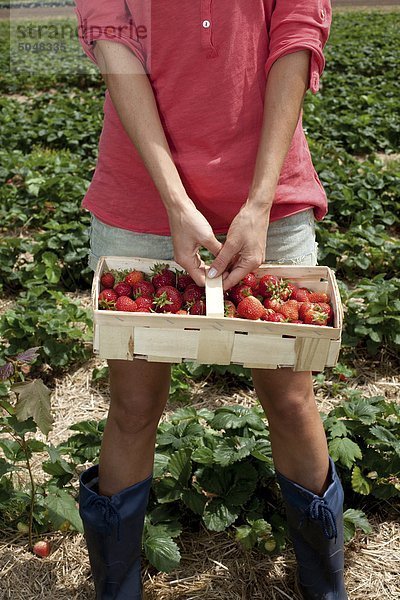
x: 190, y: 230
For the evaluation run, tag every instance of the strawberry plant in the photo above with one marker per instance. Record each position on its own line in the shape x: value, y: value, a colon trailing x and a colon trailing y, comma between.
x: 24, y: 411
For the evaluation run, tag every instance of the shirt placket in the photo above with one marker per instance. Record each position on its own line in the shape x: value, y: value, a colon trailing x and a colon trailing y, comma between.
x: 207, y: 29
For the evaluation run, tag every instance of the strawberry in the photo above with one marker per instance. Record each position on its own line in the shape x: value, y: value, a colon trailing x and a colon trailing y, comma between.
x: 181, y: 312
x: 107, y: 299
x: 315, y: 316
x: 168, y: 299
x: 297, y: 321
x: 198, y: 308
x: 286, y: 290
x: 144, y: 304
x: 273, y: 303
x: 318, y: 297
x: 239, y: 292
x: 267, y: 285
x: 143, y: 288
x: 134, y: 277
x: 304, y: 307
x: 250, y: 308
x: 301, y: 294
x: 251, y: 280
x: 275, y: 318
x: 107, y: 280
x: 327, y: 308
x: 126, y: 304
x: 229, y: 309
x: 123, y: 289
x: 162, y: 276
x: 193, y: 293
x: 42, y: 549
x: 183, y: 280
x: 290, y: 310
x: 267, y: 313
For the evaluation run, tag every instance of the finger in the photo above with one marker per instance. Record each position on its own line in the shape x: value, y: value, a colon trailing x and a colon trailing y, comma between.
x: 197, y: 271
x: 222, y: 260
x: 236, y: 275
x: 213, y: 245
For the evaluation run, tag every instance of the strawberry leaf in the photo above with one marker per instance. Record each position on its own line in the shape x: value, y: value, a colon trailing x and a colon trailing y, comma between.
x: 34, y: 401
x: 352, y: 520
x: 62, y: 507
x: 218, y: 516
x: 162, y: 552
x: 344, y: 450
x: 359, y: 483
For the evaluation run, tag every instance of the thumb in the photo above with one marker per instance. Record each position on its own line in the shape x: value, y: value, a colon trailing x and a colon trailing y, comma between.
x: 221, y: 261
x: 213, y: 245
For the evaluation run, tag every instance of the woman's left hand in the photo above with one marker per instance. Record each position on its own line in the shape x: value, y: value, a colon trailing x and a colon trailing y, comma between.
x: 244, y: 248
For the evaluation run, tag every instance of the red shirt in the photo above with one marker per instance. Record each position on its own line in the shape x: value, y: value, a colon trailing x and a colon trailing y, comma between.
x: 207, y: 62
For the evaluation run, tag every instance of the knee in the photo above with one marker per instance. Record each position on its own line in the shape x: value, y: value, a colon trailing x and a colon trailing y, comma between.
x: 289, y: 410
x: 135, y: 415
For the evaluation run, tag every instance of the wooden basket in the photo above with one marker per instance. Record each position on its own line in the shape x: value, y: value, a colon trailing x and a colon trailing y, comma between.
x: 215, y: 339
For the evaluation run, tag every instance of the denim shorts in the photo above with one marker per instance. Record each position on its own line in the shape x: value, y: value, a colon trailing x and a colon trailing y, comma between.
x: 290, y: 240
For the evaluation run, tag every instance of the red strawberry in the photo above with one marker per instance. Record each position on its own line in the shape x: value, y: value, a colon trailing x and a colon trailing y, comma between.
x: 290, y: 310
x: 267, y: 313
x: 162, y: 276
x: 144, y: 304
x: 327, y: 308
x: 315, y: 316
x: 42, y: 549
x: 107, y: 280
x: 273, y: 303
x: 276, y: 318
x: 134, y: 277
x: 301, y: 294
x: 267, y: 285
x: 251, y: 280
x: 126, y: 304
x: 198, y: 308
x: 183, y: 280
x: 107, y: 299
x: 297, y: 321
x: 286, y: 290
x: 239, y: 292
x: 143, y: 288
x: 123, y: 289
x: 229, y: 309
x: 168, y: 299
x: 193, y: 293
x: 181, y: 312
x: 304, y: 307
x: 250, y: 308
x: 318, y: 297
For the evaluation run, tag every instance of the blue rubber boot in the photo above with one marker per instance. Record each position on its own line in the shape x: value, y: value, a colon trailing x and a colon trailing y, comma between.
x: 316, y: 529
x: 113, y: 531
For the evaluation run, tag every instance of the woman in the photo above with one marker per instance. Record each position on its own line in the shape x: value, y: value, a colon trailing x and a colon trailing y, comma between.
x: 203, y: 137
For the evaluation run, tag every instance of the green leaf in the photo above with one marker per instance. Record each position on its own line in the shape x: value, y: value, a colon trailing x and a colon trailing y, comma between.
x: 5, y: 467
x: 233, y: 449
x: 203, y: 455
x: 63, y: 507
x: 352, y: 520
x: 168, y: 490
x: 160, y: 464
x: 34, y: 401
x: 246, y: 536
x: 359, y: 483
x: 162, y: 552
x: 344, y: 450
x: 194, y: 501
x: 218, y: 516
x: 180, y: 466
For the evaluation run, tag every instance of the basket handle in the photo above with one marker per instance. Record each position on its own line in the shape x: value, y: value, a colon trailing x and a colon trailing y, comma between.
x: 214, y: 296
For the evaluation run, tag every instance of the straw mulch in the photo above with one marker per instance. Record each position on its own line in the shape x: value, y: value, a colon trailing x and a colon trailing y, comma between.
x: 213, y: 567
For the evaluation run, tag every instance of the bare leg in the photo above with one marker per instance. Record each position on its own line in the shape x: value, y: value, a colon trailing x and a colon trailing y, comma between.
x: 297, y: 435
x: 139, y: 393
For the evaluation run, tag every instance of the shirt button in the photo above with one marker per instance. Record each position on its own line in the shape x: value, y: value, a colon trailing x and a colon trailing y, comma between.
x: 206, y: 24
x: 323, y: 14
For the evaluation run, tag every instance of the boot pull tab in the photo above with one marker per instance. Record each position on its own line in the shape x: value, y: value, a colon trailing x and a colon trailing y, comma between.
x: 319, y: 511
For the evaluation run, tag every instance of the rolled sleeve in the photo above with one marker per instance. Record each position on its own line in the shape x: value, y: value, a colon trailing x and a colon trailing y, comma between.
x: 107, y: 20
x: 300, y: 25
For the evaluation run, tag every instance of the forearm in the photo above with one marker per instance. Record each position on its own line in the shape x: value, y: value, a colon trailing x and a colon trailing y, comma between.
x: 134, y: 101
x: 286, y: 87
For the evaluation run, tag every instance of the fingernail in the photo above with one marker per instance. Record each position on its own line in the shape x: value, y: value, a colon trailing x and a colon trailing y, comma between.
x: 212, y: 272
